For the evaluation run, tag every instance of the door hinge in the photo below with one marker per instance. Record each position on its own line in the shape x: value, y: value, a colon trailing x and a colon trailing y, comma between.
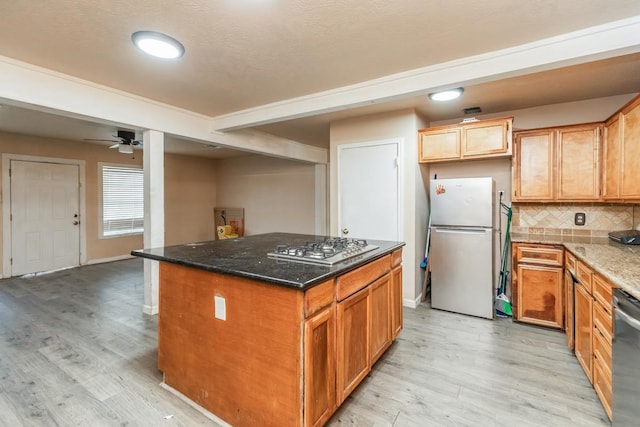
x: 9, y: 172
x: 10, y: 217
x: 11, y: 261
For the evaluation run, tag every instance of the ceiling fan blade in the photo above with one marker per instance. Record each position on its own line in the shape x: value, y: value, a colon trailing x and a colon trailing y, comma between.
x: 101, y: 140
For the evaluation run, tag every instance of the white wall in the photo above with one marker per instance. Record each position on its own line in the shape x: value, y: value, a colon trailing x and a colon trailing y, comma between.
x: 401, y: 125
x: 276, y: 194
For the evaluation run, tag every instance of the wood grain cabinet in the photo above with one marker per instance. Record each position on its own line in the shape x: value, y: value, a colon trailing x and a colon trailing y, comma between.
x: 479, y: 139
x: 538, y: 284
x: 396, y: 300
x: 621, y: 154
x: 584, y: 328
x: 320, y: 367
x: 557, y: 164
x: 569, y: 304
x: 353, y: 358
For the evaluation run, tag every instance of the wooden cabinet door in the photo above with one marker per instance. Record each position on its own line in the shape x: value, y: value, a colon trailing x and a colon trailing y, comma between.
x: 540, y: 295
x: 533, y: 166
x: 353, y: 355
x: 630, y: 155
x: 578, y: 163
x: 486, y: 138
x: 380, y: 319
x: 611, y: 149
x: 568, y: 308
x: 584, y: 329
x: 319, y: 367
x: 396, y: 301
x: 439, y: 144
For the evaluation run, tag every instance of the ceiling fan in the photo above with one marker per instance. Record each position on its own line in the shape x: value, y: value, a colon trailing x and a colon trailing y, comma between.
x: 125, y: 141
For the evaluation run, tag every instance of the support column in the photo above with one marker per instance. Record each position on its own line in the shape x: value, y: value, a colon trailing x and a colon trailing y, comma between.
x: 153, y: 163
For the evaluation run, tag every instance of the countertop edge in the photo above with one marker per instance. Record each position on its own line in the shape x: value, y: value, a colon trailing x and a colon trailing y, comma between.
x: 275, y: 281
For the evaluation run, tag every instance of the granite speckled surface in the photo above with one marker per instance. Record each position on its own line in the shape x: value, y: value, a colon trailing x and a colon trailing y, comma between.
x: 620, y: 264
x: 247, y: 257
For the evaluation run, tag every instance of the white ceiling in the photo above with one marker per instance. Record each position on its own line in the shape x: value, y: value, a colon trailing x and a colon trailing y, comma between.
x: 242, y: 54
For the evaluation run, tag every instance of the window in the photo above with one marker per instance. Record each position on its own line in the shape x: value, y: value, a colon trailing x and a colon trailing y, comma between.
x: 122, y: 200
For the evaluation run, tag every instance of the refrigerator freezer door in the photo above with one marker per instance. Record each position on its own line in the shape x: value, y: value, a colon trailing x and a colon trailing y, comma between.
x: 462, y: 270
x: 462, y: 202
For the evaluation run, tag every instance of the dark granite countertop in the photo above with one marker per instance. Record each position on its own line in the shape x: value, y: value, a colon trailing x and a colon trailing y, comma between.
x: 247, y: 257
x: 616, y: 262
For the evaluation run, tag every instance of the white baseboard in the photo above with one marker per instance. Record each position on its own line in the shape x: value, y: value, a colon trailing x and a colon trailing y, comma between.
x: 412, y: 303
x: 110, y: 259
x: 194, y: 405
x: 150, y: 309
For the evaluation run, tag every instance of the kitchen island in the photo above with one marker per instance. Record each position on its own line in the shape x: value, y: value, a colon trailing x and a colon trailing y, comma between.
x: 257, y: 340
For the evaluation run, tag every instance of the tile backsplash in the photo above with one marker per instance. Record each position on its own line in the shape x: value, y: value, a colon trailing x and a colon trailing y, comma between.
x: 559, y: 219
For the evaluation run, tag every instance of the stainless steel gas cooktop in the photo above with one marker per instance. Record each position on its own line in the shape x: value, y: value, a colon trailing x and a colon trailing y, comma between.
x: 328, y: 252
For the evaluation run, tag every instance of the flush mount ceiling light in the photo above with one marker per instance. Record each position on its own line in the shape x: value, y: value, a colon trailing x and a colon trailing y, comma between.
x: 446, y: 95
x: 157, y: 44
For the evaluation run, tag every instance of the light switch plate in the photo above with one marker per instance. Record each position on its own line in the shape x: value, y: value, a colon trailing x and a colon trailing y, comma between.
x: 220, y: 307
x: 580, y: 218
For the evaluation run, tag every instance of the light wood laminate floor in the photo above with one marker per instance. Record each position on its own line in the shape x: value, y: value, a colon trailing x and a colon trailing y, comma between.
x: 76, y: 350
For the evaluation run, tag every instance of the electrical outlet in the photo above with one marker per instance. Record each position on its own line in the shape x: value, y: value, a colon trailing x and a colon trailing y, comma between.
x: 220, y: 308
x: 580, y: 218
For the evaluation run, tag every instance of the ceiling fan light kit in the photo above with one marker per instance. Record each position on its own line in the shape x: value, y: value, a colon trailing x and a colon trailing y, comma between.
x: 125, y: 148
x: 158, y: 44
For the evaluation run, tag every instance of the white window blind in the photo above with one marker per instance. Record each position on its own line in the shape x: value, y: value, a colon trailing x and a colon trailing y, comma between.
x: 122, y: 200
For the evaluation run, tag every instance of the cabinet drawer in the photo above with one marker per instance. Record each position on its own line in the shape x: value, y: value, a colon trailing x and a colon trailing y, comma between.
x: 584, y: 275
x: 601, y: 290
x: 543, y: 255
x: 353, y: 281
x: 570, y: 262
x: 602, y: 322
x: 602, y: 349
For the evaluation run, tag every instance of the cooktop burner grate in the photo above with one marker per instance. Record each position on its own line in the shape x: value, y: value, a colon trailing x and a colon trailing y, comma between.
x: 327, y: 252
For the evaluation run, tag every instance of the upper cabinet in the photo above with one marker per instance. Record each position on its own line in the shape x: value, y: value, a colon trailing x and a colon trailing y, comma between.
x: 557, y: 164
x: 472, y: 140
x: 621, y: 154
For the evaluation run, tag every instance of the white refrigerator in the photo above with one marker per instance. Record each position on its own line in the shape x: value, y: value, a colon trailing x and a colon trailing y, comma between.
x: 462, y: 245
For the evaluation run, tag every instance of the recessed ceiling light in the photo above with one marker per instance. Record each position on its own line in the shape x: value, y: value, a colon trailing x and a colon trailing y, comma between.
x: 158, y: 44
x: 446, y: 95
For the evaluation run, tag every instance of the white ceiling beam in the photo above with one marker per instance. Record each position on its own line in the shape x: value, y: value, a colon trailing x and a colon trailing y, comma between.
x: 594, y: 43
x: 41, y: 89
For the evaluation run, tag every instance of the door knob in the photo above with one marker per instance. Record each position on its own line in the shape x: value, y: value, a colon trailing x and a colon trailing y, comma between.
x: 345, y: 231
x: 75, y: 223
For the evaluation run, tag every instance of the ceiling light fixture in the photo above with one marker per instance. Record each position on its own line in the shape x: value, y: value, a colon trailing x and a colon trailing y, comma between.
x: 157, y: 44
x: 446, y: 95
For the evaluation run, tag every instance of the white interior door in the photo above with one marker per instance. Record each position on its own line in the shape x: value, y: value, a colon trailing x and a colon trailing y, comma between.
x: 368, y: 191
x: 45, y: 234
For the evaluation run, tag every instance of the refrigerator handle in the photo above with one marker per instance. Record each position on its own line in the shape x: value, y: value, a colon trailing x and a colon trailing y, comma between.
x: 461, y: 230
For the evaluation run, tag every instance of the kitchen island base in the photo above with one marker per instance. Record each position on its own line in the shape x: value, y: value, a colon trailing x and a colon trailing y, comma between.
x: 255, y: 353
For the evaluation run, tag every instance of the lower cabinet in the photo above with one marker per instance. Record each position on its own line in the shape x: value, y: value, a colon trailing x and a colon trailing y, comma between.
x: 538, y: 284
x: 353, y: 358
x: 380, y: 317
x: 584, y: 329
x: 568, y: 308
x: 320, y: 367
x: 396, y: 300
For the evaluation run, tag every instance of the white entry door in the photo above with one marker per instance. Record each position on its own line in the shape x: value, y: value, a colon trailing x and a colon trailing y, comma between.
x: 45, y: 234
x: 368, y: 202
